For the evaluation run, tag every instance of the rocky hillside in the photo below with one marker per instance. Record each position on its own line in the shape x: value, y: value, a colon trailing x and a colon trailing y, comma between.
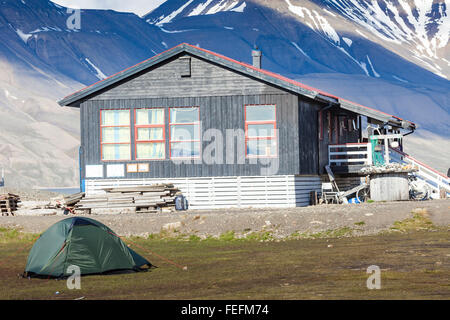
x: 392, y: 55
x: 39, y: 140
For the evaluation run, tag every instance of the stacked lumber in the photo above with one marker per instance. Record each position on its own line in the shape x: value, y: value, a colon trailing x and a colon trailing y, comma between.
x: 9, y: 203
x: 73, y: 199
x: 153, y: 198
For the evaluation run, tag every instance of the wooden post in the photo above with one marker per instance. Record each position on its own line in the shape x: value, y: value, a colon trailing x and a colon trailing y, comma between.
x: 369, y: 154
x: 313, y: 200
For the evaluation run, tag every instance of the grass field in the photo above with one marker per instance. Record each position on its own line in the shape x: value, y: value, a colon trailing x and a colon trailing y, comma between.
x: 414, y: 258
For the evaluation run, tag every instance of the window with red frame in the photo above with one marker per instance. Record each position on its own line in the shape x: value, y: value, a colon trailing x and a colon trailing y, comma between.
x: 150, y: 134
x: 184, y: 128
x: 260, y: 131
x: 115, y: 135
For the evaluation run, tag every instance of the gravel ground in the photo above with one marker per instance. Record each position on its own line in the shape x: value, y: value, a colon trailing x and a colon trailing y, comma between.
x: 30, y: 194
x: 281, y: 222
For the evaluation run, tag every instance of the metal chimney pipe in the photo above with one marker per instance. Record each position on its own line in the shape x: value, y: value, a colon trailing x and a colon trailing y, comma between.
x: 257, y: 54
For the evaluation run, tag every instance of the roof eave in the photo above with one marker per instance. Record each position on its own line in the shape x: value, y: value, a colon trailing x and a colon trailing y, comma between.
x: 376, y: 114
x: 71, y: 99
x: 237, y: 66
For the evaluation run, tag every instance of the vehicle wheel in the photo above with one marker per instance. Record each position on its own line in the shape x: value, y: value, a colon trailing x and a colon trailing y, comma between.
x: 363, y: 195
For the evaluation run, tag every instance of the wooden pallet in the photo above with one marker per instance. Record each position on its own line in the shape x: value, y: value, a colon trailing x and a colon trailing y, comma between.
x: 8, y: 204
x: 7, y: 212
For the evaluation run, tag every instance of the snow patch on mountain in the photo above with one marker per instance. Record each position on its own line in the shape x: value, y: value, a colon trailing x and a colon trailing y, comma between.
x: 400, y: 79
x: 24, y: 36
x: 362, y: 65
x: 99, y: 73
x: 240, y: 9
x: 376, y: 74
x: 200, y: 8
x: 172, y: 15
x: 223, y: 5
x: 320, y: 23
x: 423, y: 24
x: 299, y: 49
x: 174, y: 31
x: 348, y: 41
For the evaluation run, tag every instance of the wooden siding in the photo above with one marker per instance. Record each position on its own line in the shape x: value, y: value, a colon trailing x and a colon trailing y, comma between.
x: 216, y: 112
x: 308, y: 137
x: 207, y: 79
x: 228, y: 192
x: 348, y: 136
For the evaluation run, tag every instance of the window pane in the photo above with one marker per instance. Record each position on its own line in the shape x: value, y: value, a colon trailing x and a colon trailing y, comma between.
x: 150, y: 151
x: 149, y: 116
x: 184, y: 132
x: 184, y: 115
x: 262, y: 147
x: 116, y: 134
x: 185, y: 149
x: 260, y: 113
x: 261, y: 130
x: 116, y: 152
x: 146, y: 134
x: 115, y: 117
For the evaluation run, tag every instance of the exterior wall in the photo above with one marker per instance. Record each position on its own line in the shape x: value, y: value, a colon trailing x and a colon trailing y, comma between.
x: 229, y: 192
x: 218, y: 112
x: 308, y: 137
x: 207, y: 79
x: 221, y: 95
x: 347, y: 136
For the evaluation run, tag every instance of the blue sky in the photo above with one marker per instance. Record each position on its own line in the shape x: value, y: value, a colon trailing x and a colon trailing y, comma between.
x: 140, y: 7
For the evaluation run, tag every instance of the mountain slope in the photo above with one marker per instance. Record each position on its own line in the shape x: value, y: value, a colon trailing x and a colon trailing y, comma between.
x: 300, y: 43
x: 36, y: 33
x: 417, y: 30
x: 392, y: 55
x: 39, y: 140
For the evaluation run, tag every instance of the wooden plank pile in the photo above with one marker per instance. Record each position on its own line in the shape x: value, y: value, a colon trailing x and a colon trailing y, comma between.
x: 71, y: 200
x: 153, y: 198
x: 9, y: 203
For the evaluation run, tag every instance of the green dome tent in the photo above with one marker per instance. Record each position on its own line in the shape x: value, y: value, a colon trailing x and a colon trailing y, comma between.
x: 82, y: 242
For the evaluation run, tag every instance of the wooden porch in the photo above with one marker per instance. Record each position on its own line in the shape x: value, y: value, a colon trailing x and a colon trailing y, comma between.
x: 349, y: 158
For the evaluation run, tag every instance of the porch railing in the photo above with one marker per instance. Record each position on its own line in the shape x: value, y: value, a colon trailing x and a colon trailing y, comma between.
x: 350, y: 154
x: 435, y: 179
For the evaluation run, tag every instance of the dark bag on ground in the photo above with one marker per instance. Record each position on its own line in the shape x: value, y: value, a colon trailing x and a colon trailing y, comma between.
x: 181, y: 203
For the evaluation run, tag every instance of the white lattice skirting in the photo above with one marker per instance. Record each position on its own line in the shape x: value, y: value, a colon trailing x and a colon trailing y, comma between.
x: 229, y: 192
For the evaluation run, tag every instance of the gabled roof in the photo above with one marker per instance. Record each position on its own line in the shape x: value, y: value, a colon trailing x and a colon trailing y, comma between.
x: 241, y: 67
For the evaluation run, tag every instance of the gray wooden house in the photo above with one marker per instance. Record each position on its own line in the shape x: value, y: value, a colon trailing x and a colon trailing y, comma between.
x: 229, y: 134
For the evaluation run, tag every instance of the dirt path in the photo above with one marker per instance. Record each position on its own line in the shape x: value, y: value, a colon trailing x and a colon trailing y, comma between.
x: 363, y: 219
